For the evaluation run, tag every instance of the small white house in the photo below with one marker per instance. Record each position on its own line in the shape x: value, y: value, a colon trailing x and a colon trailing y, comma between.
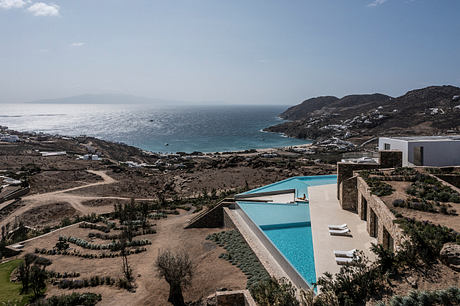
x: 437, y: 151
x: 89, y: 157
x: 9, y: 138
x: 58, y: 153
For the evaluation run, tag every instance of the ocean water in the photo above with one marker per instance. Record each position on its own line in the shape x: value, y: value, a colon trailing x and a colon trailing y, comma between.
x: 154, y: 128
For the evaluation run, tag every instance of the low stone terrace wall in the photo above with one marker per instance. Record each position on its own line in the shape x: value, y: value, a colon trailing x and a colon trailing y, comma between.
x: 15, y: 194
x: 450, y: 178
x: 234, y: 298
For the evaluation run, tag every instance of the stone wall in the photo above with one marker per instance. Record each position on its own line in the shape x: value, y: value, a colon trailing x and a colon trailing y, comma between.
x: 15, y: 194
x: 450, y: 178
x: 234, y: 298
x: 384, y: 215
x: 346, y: 187
x: 390, y: 159
x: 210, y: 218
x: 346, y: 184
x: 349, y: 194
x: 228, y: 222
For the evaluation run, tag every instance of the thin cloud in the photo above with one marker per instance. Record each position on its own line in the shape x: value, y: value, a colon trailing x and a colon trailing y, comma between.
x: 43, y: 9
x: 376, y: 3
x: 8, y: 4
x: 77, y: 44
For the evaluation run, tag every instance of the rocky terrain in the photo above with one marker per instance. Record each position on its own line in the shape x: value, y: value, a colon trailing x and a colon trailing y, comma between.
x: 354, y: 119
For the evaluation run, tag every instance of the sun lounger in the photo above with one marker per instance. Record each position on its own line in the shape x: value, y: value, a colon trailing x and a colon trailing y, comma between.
x: 343, y: 232
x: 301, y: 200
x: 349, y: 254
x: 343, y: 260
x: 338, y: 227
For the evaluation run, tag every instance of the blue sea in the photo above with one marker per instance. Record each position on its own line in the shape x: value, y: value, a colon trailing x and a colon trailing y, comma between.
x: 155, y: 128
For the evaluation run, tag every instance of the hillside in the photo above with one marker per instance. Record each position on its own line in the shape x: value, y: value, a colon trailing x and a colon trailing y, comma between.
x: 431, y: 110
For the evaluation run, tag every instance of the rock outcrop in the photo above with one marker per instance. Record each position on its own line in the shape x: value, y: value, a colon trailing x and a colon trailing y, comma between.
x: 450, y: 255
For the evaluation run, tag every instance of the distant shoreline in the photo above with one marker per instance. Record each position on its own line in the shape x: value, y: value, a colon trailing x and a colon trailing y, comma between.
x: 243, y: 151
x: 184, y: 129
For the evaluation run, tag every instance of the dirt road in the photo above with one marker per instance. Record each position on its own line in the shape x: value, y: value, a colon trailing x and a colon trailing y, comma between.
x: 60, y: 196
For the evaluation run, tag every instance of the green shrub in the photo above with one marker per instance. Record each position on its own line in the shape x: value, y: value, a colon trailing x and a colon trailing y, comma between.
x: 427, y: 239
x: 355, y: 283
x: 378, y: 187
x: 241, y: 255
x: 85, y: 299
x: 270, y: 292
x: 446, y: 297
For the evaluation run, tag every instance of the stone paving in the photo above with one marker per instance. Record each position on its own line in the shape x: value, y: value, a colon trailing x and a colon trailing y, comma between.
x: 324, y: 210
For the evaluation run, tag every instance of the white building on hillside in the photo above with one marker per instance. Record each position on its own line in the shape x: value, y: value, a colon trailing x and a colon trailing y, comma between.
x: 435, y: 151
x: 9, y: 138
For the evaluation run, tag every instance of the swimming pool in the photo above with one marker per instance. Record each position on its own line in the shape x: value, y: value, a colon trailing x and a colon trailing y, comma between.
x: 299, y: 183
x: 288, y: 226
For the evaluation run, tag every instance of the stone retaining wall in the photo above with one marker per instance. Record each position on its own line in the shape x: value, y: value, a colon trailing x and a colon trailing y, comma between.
x: 228, y: 222
x: 385, y: 217
x: 346, y: 184
x: 15, y: 194
x: 450, y: 178
x: 211, y: 218
x: 234, y: 298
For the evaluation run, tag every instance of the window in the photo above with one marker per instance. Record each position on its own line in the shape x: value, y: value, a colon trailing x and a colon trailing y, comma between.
x: 388, y: 242
x: 374, y: 224
x: 386, y: 146
x: 364, y: 208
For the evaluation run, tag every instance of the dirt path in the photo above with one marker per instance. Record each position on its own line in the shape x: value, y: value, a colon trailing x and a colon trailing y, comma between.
x: 76, y: 201
x: 211, y: 272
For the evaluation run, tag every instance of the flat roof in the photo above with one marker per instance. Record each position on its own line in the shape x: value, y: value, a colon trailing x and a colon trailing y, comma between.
x: 428, y: 138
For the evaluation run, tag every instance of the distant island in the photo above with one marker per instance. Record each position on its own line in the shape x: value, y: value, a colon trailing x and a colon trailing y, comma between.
x: 105, y: 99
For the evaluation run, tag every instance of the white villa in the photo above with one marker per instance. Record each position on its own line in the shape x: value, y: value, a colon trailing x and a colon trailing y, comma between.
x: 436, y: 151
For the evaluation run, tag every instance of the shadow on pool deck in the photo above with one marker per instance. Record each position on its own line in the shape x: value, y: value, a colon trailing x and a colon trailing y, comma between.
x: 324, y: 210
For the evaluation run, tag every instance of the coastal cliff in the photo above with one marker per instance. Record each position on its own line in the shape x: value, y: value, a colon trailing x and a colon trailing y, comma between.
x: 431, y: 110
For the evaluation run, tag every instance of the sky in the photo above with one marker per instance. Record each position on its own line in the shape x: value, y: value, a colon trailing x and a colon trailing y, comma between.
x: 234, y: 51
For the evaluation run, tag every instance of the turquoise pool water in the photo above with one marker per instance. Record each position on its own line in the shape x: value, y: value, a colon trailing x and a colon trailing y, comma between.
x: 299, y: 183
x: 288, y: 225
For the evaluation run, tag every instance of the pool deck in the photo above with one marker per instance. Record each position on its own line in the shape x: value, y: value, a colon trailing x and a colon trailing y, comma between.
x: 324, y: 210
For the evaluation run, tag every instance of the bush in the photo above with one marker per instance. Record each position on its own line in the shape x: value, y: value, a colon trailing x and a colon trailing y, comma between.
x: 429, y: 188
x: 113, y: 246
x: 450, y: 296
x: 98, y: 227
x: 406, y: 172
x: 93, y: 281
x: 271, y: 292
x: 85, y: 299
x: 354, y: 284
x: 378, y: 187
x: 241, y: 255
x: 53, y: 274
x: 62, y: 245
x: 427, y: 239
